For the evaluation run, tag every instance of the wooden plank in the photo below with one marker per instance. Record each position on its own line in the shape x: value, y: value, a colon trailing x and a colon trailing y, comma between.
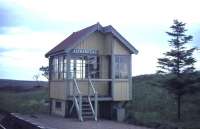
x: 100, y: 98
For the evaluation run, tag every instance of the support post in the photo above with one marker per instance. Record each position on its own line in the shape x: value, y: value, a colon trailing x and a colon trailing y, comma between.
x: 80, y: 107
x: 113, y: 66
x: 96, y: 107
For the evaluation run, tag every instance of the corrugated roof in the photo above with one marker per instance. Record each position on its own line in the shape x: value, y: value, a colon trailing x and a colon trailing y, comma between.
x: 77, y: 36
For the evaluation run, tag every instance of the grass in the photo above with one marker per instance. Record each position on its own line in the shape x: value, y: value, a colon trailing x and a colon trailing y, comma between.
x: 153, y: 104
x: 29, y: 102
x: 150, y: 104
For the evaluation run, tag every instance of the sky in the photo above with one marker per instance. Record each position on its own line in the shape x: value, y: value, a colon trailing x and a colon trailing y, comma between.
x: 30, y: 28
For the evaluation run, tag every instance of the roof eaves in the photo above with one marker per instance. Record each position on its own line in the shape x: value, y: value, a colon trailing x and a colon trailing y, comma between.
x: 110, y: 29
x: 94, y: 28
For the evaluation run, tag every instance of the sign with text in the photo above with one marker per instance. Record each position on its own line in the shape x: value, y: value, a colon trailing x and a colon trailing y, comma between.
x: 84, y: 51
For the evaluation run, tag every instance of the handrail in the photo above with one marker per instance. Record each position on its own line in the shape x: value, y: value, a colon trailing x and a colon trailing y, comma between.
x: 76, y: 85
x: 78, y: 104
x: 78, y: 108
x: 78, y: 101
x: 91, y: 105
x: 95, y: 99
x: 93, y: 89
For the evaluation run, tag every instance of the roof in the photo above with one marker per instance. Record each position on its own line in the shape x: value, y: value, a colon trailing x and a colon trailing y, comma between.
x: 70, y: 41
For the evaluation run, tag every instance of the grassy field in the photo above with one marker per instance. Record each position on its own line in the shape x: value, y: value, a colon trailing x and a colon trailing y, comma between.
x: 153, y: 104
x: 26, y: 102
x: 150, y: 105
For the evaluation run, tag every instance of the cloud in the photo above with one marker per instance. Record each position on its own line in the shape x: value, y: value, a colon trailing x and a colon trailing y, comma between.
x: 55, y: 14
x: 21, y: 64
x: 29, y: 29
x: 6, y: 16
x: 148, y: 54
x: 2, y: 50
x: 22, y: 51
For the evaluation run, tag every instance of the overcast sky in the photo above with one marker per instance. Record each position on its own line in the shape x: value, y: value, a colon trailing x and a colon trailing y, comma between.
x: 30, y: 28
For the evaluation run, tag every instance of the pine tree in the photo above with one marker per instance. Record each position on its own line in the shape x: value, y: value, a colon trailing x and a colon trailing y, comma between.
x: 179, y: 64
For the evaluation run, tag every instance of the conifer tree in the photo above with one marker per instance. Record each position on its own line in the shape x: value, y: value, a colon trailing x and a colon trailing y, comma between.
x: 178, y: 62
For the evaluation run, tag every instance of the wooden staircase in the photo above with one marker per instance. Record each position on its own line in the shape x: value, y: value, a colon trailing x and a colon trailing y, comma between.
x: 87, y: 112
x: 84, y: 107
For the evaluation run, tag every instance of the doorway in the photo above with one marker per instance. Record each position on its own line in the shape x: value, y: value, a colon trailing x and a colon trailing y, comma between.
x: 82, y: 67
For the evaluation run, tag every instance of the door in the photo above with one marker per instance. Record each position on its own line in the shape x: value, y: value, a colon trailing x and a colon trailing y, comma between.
x: 77, y: 67
x: 82, y: 67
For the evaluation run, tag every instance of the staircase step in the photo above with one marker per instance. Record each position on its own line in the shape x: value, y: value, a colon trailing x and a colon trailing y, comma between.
x: 88, y: 114
x: 86, y: 109
x: 85, y: 105
x: 85, y: 99
x: 88, y: 117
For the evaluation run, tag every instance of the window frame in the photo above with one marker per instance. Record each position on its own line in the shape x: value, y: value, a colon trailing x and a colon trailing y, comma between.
x: 60, y: 67
x: 54, y: 68
x: 122, y: 64
x: 65, y: 67
x: 80, y: 66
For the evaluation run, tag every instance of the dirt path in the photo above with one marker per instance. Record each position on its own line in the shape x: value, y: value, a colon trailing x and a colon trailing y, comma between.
x: 63, y: 123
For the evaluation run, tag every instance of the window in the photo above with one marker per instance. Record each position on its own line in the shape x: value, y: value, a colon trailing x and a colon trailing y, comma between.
x: 54, y: 68
x: 84, y: 66
x: 60, y: 67
x: 65, y: 68
x: 81, y: 67
x: 77, y: 67
x: 93, y: 67
x: 58, y: 105
x: 72, y: 68
x: 121, y: 66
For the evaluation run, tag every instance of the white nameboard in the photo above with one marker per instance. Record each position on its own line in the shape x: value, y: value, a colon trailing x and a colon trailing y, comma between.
x: 84, y: 51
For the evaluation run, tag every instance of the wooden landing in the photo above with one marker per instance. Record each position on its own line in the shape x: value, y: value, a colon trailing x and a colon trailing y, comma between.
x: 100, y: 98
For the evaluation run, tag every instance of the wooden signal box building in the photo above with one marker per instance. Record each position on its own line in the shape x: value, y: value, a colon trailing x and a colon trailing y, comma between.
x: 90, y: 73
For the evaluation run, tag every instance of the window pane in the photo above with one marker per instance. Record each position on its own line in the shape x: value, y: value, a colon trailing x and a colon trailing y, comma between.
x: 82, y: 66
x: 93, y: 66
x: 54, y: 68
x: 65, y: 65
x: 65, y: 68
x: 121, y: 66
x: 72, y: 68
x: 78, y: 68
x: 60, y: 67
x: 60, y: 64
x: 65, y: 76
x: 55, y: 61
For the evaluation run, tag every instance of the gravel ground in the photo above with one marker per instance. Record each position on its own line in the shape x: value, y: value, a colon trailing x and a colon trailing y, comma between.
x: 55, y: 122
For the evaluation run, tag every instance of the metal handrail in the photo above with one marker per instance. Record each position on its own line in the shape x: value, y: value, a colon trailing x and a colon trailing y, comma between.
x: 78, y: 108
x: 95, y: 99
x: 93, y: 112
x: 91, y: 84
x: 78, y: 104
x: 77, y: 88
